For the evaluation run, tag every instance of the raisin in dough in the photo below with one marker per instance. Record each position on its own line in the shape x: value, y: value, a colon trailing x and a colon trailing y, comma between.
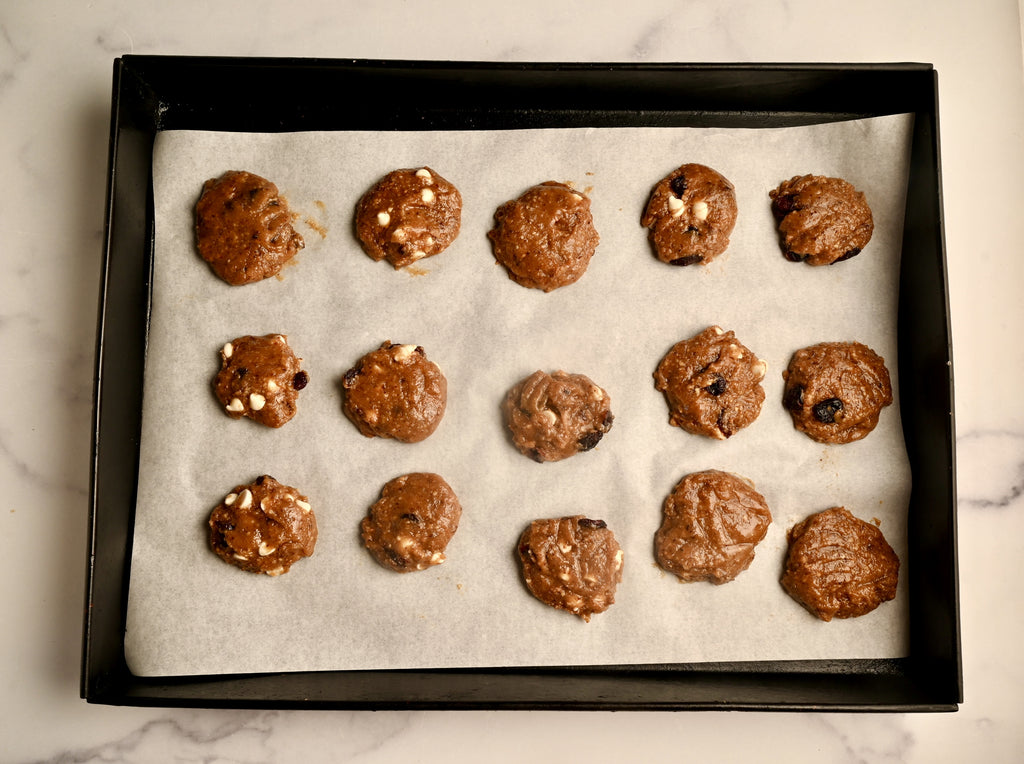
x: 243, y: 228
x: 546, y: 237
x: 259, y: 378
x: 571, y: 563
x: 395, y: 392
x: 409, y: 527
x: 712, y: 384
x: 835, y: 391
x: 263, y: 527
x: 408, y: 215
x: 711, y: 523
x: 821, y: 220
x: 553, y: 416
x: 690, y: 215
x: 839, y: 566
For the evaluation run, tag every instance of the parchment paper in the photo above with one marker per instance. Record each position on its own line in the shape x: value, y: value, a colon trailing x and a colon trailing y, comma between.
x: 190, y: 613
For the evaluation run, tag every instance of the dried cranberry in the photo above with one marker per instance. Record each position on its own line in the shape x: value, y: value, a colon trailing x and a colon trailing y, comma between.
x: 678, y: 185
x: 825, y: 412
x: 586, y: 522
x: 784, y: 203
x: 300, y: 380
x: 590, y: 440
x: 241, y: 371
x: 794, y: 257
x: 793, y: 399
x: 847, y: 255
x: 411, y: 517
x: 686, y: 260
x: 717, y: 387
x: 350, y: 377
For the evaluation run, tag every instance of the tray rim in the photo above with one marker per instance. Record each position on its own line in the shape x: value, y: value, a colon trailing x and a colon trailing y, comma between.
x: 140, y: 109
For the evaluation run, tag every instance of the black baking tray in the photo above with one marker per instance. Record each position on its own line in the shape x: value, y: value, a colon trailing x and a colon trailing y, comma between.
x: 154, y: 93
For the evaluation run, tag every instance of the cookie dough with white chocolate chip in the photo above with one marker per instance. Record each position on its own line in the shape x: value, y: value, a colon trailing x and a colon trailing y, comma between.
x: 690, y: 215
x: 408, y: 215
x: 263, y: 527
x: 408, y: 528
x: 260, y: 379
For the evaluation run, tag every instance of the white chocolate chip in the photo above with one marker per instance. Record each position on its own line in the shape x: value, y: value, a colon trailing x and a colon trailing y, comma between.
x: 303, y: 505
x: 276, y: 571
x: 383, y: 218
x: 257, y: 401
x: 437, y: 558
x: 596, y: 393
x: 272, y: 386
x: 700, y: 210
x: 236, y: 406
x: 760, y: 368
x: 266, y: 550
x: 230, y: 499
x: 425, y: 174
x: 227, y: 350
x: 419, y: 254
x: 240, y: 557
x: 564, y: 576
x: 245, y: 499
x: 427, y: 196
x: 718, y: 330
x: 577, y: 197
x: 549, y: 416
x: 566, y: 548
x: 675, y: 204
x: 618, y: 559
x: 404, y: 353
x: 399, y: 234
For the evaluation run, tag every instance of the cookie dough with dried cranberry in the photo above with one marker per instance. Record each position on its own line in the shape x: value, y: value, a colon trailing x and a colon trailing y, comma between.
x: 244, y: 228
x: 711, y: 523
x: 260, y: 378
x: 821, y: 220
x: 571, y: 563
x: 408, y: 215
x: 839, y: 566
x: 835, y: 391
x: 545, y: 238
x: 712, y: 384
x: 395, y: 392
x: 408, y: 528
x: 553, y: 416
x: 263, y: 527
x: 690, y: 215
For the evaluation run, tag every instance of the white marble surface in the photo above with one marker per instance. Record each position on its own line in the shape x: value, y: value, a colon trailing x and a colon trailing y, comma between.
x: 55, y: 67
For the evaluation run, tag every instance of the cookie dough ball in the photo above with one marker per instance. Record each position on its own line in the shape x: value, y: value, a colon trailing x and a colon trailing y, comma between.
x: 571, y: 563
x: 244, y: 228
x: 408, y: 215
x: 410, y: 526
x: 546, y: 237
x: 690, y: 214
x: 835, y: 391
x: 839, y: 566
x: 821, y: 220
x: 395, y: 392
x: 553, y: 416
x: 259, y: 378
x: 263, y: 527
x: 712, y: 384
x: 711, y: 523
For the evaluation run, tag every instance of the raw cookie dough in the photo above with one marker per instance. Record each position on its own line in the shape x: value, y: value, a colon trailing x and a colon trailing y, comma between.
x: 571, y: 563
x: 259, y: 378
x: 546, y: 237
x: 263, y: 527
x: 408, y: 215
x: 553, y: 416
x: 839, y: 566
x: 243, y: 228
x: 821, y: 220
x: 712, y: 384
x: 712, y: 521
x: 410, y: 526
x: 395, y: 392
x: 835, y: 391
x: 690, y: 214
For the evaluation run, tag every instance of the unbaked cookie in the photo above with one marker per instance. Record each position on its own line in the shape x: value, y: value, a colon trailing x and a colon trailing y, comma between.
x: 821, y: 220
x: 571, y: 563
x: 711, y: 523
x: 690, y: 214
x: 835, y: 391
x: 244, y: 228
x: 263, y: 527
x: 408, y: 215
x: 839, y: 566
x: 553, y: 416
x: 395, y: 392
x: 259, y: 378
x: 410, y: 526
x: 546, y: 237
x: 712, y: 384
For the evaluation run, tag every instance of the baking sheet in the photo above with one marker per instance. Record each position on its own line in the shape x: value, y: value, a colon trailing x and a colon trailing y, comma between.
x: 189, y: 613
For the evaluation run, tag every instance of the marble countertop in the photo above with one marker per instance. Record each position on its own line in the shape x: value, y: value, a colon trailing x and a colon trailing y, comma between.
x: 55, y: 70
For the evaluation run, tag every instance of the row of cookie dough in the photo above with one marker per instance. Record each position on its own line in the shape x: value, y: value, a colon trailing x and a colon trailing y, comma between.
x: 834, y: 391
x: 545, y: 238
x: 837, y: 565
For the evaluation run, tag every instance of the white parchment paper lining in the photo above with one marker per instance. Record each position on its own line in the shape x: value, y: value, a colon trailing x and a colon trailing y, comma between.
x: 190, y: 613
